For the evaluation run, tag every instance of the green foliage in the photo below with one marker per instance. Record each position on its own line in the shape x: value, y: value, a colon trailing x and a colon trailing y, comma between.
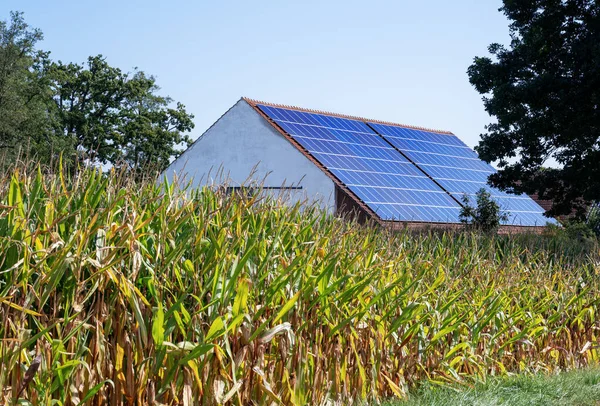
x: 543, y: 91
x: 578, y: 230
x: 486, y: 216
x: 593, y: 219
x: 22, y: 95
x: 575, y: 388
x: 114, y: 117
x: 141, y: 293
x: 89, y: 113
x: 584, y: 233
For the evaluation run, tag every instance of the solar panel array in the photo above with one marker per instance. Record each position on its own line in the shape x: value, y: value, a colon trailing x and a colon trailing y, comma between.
x: 458, y: 169
x: 373, y: 170
x: 370, y: 159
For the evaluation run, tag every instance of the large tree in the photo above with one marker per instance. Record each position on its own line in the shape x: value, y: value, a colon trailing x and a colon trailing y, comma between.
x: 544, y: 92
x: 152, y: 129
x: 92, y: 113
x: 114, y: 117
x: 23, y: 95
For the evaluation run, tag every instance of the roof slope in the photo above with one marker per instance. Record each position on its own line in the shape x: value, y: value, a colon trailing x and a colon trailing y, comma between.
x: 393, y: 171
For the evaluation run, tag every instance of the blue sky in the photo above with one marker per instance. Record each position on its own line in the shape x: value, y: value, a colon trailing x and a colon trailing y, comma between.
x: 402, y: 61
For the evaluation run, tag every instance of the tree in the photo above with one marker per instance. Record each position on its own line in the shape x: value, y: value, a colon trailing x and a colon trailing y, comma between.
x: 23, y: 96
x: 544, y: 91
x: 486, y: 216
x: 112, y: 117
x: 153, y: 130
x: 91, y: 113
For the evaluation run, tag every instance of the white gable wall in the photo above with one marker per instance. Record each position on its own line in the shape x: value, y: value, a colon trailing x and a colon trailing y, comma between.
x: 241, y: 142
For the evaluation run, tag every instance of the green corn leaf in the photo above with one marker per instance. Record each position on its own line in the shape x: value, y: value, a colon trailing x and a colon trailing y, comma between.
x: 158, y: 329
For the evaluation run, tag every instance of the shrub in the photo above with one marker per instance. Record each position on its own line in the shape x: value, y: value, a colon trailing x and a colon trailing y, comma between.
x: 593, y: 219
x: 573, y: 231
x: 486, y: 216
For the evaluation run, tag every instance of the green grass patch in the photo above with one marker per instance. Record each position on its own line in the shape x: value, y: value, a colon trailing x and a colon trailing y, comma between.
x: 580, y: 387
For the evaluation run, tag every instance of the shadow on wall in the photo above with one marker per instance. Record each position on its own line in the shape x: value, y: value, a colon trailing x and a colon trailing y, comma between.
x: 253, y: 186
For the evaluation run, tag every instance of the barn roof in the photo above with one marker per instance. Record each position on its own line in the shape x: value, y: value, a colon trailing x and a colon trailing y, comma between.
x: 395, y: 172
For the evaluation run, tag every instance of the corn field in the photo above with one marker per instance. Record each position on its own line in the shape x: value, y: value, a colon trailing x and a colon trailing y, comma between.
x: 114, y: 292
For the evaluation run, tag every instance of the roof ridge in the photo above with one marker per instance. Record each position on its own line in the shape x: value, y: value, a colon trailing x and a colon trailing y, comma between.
x: 254, y: 102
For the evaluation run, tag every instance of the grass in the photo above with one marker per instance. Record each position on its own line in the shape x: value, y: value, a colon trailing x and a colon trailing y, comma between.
x: 575, y: 388
x: 147, y: 293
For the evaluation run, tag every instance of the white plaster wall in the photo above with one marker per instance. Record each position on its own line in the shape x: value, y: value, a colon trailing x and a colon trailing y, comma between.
x: 242, y: 147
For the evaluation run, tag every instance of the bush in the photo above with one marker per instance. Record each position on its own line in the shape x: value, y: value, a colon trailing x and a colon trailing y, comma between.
x: 593, y: 220
x: 575, y: 232
x: 486, y: 217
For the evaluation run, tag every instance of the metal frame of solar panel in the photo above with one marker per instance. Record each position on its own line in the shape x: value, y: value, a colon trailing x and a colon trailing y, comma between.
x: 458, y: 169
x: 373, y: 170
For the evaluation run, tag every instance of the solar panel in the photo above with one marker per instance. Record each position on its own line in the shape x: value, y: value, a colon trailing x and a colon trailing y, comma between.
x: 373, y: 170
x: 458, y: 169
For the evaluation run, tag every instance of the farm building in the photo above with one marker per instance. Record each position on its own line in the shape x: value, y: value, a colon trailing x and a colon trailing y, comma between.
x: 391, y: 173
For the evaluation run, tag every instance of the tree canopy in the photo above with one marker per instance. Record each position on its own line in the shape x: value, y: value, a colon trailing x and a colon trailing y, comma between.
x: 91, y: 113
x: 544, y: 92
x: 22, y: 112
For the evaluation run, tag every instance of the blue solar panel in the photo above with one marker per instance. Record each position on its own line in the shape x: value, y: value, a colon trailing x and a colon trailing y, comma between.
x: 373, y: 170
x: 458, y: 169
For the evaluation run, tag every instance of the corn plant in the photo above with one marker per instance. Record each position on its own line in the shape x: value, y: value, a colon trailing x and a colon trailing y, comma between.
x: 117, y: 292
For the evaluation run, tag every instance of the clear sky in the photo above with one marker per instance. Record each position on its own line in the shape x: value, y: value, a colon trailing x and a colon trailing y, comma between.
x: 402, y: 61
